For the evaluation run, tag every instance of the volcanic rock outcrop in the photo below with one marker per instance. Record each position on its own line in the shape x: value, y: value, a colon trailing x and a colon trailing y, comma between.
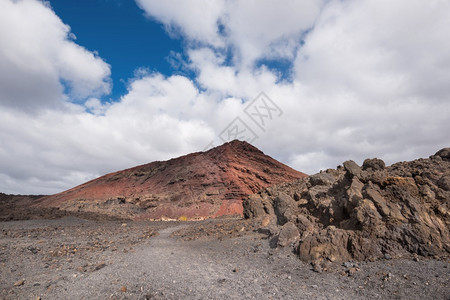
x: 361, y: 213
x: 196, y: 186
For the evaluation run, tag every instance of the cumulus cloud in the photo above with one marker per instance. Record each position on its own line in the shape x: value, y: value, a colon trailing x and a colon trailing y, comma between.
x: 252, y: 29
x: 54, y: 150
x: 381, y: 68
x: 197, y: 19
x: 268, y: 29
x: 381, y: 48
x: 369, y: 78
x: 39, y: 59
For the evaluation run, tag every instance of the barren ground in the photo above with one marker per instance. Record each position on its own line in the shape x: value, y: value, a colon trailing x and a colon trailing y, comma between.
x: 72, y: 258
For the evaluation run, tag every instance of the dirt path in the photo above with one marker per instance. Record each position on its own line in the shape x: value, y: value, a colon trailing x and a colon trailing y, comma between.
x: 161, y: 267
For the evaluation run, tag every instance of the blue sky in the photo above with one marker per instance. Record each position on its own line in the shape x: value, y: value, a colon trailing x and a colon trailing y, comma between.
x: 122, y: 36
x: 311, y: 83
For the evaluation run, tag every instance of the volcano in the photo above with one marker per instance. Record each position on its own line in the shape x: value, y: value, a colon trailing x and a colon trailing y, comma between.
x: 192, y: 187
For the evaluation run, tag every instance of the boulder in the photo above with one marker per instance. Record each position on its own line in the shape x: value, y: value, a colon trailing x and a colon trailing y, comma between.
x: 379, y: 201
x: 322, y: 179
x: 354, y: 192
x: 444, y: 183
x: 352, y: 168
x: 288, y: 234
x: 284, y: 207
x: 444, y: 153
x: 253, y: 207
x: 373, y: 164
x: 329, y: 244
x: 367, y: 213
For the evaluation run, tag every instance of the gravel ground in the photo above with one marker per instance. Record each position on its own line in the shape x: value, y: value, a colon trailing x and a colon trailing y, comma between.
x: 71, y: 258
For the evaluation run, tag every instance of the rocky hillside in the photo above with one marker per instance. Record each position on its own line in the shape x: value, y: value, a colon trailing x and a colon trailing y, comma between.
x: 361, y: 213
x: 195, y: 186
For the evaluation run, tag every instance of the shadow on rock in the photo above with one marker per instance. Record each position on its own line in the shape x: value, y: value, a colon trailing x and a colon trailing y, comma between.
x: 360, y: 213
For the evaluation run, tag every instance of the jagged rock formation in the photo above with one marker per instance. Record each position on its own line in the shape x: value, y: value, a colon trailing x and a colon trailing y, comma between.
x: 195, y: 186
x: 361, y: 213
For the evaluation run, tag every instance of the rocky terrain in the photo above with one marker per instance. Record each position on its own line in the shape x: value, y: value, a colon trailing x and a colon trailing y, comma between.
x: 361, y: 213
x: 22, y: 207
x: 72, y: 258
x: 192, y: 187
x: 361, y: 232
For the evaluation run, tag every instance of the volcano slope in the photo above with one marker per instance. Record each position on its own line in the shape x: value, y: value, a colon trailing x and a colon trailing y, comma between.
x: 192, y: 187
x: 361, y: 213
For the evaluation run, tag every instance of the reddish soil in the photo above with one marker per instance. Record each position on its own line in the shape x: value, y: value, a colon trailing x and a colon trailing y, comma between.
x: 396, y: 215
x: 195, y: 186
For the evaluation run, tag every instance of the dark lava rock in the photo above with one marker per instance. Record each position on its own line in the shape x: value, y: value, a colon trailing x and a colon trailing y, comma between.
x: 444, y: 153
x: 373, y: 164
x: 376, y: 212
x: 444, y: 183
x: 322, y: 179
x: 352, y: 168
x: 288, y: 234
x: 253, y: 207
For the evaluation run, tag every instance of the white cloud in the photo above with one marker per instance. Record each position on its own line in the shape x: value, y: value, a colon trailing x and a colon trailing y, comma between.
x: 379, y: 49
x: 227, y: 80
x: 54, y: 150
x: 197, y: 19
x: 254, y: 29
x: 382, y: 68
x: 371, y: 79
x: 95, y: 106
x: 37, y: 54
x: 268, y: 29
